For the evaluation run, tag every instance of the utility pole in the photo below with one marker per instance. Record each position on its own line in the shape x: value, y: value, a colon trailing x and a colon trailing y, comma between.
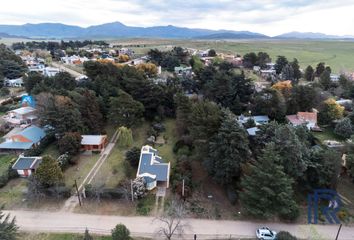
x: 78, y: 193
x: 183, y: 188
x: 131, y: 189
x: 340, y: 227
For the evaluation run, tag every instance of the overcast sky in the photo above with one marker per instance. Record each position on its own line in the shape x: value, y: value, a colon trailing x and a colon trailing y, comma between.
x: 270, y: 17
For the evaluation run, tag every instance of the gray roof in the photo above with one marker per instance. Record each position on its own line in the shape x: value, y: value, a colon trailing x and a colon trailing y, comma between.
x: 23, y: 110
x: 159, y: 169
x: 23, y: 163
x: 92, y: 139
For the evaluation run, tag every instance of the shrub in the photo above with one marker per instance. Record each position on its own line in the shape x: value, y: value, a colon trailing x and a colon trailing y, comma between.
x: 282, y: 235
x: 120, y: 232
x: 133, y: 156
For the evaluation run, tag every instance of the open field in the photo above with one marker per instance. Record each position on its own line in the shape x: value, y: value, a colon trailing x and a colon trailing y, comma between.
x: 337, y: 54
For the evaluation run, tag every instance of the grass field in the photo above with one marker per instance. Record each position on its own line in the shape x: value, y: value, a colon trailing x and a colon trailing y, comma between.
x: 337, y: 54
x: 5, y: 162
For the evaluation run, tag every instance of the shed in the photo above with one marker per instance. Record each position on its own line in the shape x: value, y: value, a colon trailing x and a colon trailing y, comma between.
x: 25, y: 166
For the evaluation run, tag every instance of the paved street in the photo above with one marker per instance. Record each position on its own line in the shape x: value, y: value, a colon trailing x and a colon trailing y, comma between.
x: 145, y: 226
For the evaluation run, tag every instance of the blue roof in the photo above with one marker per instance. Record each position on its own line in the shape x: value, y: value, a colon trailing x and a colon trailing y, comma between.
x: 33, y: 133
x: 160, y: 170
x: 261, y: 118
x: 16, y: 145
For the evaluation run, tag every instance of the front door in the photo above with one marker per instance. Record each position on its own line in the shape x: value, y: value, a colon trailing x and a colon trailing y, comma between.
x: 26, y: 172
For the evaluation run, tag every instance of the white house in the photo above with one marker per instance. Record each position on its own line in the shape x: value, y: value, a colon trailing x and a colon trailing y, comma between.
x: 153, y: 169
x: 26, y: 166
x: 50, y: 71
x: 19, y: 116
x: 258, y: 120
x: 334, y: 77
x: 18, y: 82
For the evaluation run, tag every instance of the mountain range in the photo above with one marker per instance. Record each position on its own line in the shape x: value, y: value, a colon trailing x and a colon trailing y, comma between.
x: 119, y: 30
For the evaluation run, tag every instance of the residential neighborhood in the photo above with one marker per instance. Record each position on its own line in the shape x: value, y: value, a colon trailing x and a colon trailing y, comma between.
x: 174, y: 127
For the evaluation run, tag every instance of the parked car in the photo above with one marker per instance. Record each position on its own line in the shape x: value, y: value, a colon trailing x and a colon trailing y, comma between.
x: 264, y: 233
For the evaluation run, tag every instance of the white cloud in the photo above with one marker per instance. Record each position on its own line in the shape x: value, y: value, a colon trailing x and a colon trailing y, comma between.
x: 271, y: 17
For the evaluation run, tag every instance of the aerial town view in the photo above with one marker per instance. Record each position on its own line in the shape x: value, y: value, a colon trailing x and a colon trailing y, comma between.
x: 144, y: 120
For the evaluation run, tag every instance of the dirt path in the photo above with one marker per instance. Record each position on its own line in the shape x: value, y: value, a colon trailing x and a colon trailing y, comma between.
x: 66, y: 69
x: 73, y: 201
x: 146, y: 227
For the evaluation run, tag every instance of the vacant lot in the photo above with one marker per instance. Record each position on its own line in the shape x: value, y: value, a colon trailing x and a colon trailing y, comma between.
x: 5, y: 161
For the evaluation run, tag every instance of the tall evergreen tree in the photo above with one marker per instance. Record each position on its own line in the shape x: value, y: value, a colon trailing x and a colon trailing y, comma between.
x: 309, y: 73
x: 267, y: 190
x: 227, y: 151
x: 49, y: 172
x: 280, y: 63
x: 8, y: 228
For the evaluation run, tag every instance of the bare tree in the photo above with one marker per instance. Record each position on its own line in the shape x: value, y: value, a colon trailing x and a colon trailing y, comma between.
x: 171, y: 221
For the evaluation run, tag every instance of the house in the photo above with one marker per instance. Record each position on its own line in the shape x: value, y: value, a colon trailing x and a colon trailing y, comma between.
x: 309, y: 119
x: 126, y: 51
x: 20, y: 116
x: 334, y: 77
x: 74, y: 59
x: 18, y: 82
x: 344, y: 102
x: 252, y: 131
x: 258, y: 120
x: 153, y: 169
x: 268, y: 73
x: 50, y: 71
x: 94, y: 143
x: 26, y: 166
x: 256, y: 68
x: 23, y: 139
x: 183, y: 70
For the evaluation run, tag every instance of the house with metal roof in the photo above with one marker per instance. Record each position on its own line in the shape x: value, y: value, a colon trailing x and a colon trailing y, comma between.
x: 258, y: 120
x: 153, y: 169
x: 26, y: 166
x: 23, y: 140
x: 95, y: 143
x: 21, y: 116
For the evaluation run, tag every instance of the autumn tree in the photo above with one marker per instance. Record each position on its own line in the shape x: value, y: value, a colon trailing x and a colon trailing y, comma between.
x: 329, y: 111
x: 123, y: 58
x: 284, y: 87
x: 49, y: 172
x: 149, y: 69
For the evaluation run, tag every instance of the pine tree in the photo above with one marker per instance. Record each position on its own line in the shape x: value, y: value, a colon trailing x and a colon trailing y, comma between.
x: 227, y: 150
x: 87, y: 235
x: 267, y: 190
x: 309, y: 73
x: 49, y: 173
x: 8, y: 228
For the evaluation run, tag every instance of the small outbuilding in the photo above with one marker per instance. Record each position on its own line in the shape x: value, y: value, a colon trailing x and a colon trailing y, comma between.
x: 26, y: 166
x: 94, y: 143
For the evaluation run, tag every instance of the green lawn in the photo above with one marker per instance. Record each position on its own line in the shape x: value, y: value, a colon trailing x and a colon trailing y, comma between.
x: 51, y: 150
x: 80, y: 170
x: 116, y: 169
x: 327, y: 134
x: 12, y: 194
x: 5, y: 161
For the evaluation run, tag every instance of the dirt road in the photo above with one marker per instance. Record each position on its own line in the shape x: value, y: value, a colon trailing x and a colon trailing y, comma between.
x: 145, y: 226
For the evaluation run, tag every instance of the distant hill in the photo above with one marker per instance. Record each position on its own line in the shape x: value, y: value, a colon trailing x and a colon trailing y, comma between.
x: 5, y: 35
x: 310, y: 35
x: 117, y: 29
x: 234, y: 35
